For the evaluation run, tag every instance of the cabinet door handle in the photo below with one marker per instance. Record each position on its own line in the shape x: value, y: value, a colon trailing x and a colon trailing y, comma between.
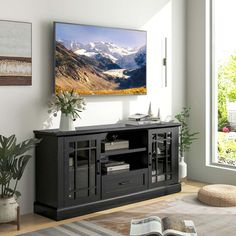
x: 124, y: 182
x: 150, y: 161
x: 98, y: 167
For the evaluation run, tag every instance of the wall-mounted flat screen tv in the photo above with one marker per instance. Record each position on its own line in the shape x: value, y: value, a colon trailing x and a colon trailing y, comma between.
x: 99, y: 60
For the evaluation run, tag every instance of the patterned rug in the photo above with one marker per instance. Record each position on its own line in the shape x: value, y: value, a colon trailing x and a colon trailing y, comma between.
x: 81, y: 228
x: 209, y: 221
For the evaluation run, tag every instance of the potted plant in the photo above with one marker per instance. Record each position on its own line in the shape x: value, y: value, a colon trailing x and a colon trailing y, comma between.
x: 70, y: 104
x: 186, y: 138
x: 13, y: 161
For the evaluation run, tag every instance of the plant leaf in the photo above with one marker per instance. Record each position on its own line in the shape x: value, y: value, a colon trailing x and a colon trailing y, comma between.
x: 13, y: 160
x: 19, y: 166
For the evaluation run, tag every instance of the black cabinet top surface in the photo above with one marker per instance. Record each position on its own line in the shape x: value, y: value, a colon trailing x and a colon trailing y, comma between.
x: 104, y: 128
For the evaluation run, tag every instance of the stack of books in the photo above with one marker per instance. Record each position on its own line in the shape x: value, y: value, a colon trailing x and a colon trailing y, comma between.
x: 142, y: 119
x: 112, y: 167
x: 115, y: 145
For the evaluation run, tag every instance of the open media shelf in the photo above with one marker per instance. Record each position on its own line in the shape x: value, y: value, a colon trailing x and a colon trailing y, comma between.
x: 123, y: 151
x: 76, y: 175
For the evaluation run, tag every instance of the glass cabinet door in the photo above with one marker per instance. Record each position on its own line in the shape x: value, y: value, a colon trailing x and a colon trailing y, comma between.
x: 82, y: 166
x: 163, y: 156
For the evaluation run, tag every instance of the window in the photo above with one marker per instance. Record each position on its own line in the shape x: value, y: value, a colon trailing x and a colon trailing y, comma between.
x: 223, y: 43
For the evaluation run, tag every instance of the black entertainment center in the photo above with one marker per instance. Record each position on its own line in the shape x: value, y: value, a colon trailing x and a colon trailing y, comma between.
x: 99, y: 167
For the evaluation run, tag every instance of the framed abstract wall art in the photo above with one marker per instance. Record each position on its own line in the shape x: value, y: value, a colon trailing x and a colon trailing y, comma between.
x: 96, y: 60
x: 15, y: 53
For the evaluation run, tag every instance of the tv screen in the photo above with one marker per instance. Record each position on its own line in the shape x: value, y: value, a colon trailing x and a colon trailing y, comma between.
x: 99, y: 60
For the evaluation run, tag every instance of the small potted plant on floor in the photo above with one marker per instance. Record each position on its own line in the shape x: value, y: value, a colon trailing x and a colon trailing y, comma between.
x: 186, y: 138
x: 13, y: 160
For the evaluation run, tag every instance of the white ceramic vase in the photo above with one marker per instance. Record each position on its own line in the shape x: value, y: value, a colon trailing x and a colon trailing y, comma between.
x: 8, y: 209
x: 182, y: 168
x: 66, y: 123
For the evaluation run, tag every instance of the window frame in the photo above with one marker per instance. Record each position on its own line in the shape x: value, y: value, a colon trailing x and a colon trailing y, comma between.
x: 213, y: 90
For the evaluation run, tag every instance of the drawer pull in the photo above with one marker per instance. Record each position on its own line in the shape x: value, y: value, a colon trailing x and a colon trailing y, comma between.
x: 123, y: 183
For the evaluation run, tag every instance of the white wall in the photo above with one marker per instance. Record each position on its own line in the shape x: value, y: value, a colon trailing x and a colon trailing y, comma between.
x: 178, y: 55
x: 24, y: 109
x: 198, y: 96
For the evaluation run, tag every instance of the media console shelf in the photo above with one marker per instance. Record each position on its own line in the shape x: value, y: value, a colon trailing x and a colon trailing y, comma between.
x: 123, y: 151
x: 70, y: 176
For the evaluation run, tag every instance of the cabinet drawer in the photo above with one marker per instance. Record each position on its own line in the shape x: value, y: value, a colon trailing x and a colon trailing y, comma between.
x: 124, y: 183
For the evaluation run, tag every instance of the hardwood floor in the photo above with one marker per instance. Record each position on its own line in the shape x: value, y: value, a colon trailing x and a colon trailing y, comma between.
x: 32, y: 222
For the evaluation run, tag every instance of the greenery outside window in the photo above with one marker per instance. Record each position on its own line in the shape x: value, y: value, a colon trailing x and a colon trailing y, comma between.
x: 223, y: 57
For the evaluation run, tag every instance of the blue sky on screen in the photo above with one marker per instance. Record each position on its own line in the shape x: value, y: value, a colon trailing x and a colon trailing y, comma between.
x: 86, y: 34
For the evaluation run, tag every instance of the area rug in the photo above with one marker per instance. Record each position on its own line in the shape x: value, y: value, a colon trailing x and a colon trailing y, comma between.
x: 209, y: 221
x: 81, y: 228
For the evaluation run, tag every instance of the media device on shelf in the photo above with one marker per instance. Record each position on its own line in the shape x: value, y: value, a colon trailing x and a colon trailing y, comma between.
x: 99, y: 60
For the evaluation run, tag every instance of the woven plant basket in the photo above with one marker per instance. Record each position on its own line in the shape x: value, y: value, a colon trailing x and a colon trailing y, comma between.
x: 8, y: 209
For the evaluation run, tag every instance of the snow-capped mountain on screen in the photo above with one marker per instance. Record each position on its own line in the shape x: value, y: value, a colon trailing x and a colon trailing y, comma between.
x: 93, y: 72
x: 70, y: 45
x: 123, y: 57
x: 140, y: 57
x: 109, y: 49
